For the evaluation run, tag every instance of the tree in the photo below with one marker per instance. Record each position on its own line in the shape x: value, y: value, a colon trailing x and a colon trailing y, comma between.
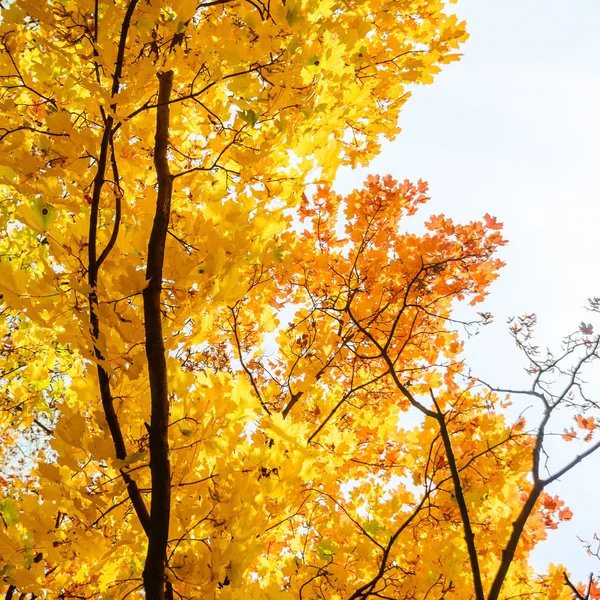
x: 162, y: 428
x: 251, y: 99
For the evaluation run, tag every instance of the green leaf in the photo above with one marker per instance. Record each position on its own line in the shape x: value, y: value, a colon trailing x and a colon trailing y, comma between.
x: 292, y: 16
x: 326, y: 549
x: 313, y: 64
x: 6, y: 173
x: 371, y: 527
x: 249, y: 116
x: 45, y: 213
x: 9, y: 512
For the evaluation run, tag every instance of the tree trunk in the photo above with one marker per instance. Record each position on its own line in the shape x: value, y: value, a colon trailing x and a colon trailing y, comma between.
x: 160, y: 468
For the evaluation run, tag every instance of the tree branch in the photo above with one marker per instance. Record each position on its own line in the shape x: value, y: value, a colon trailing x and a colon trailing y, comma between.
x: 160, y: 468
x: 509, y: 552
x: 519, y: 525
x: 93, y: 264
x: 118, y: 197
x: 569, y: 583
x: 572, y: 464
x: 366, y: 590
x: 28, y: 128
x: 243, y: 363
x: 460, y: 499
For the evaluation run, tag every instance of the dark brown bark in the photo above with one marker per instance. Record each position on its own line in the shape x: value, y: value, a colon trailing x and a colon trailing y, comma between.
x: 460, y: 500
x: 93, y: 267
x: 511, y: 547
x: 508, y: 553
x: 160, y: 469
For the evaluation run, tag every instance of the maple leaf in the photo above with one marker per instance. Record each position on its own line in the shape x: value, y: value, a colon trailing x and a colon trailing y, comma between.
x: 565, y: 514
x: 588, y: 423
x: 549, y: 502
x: 491, y: 222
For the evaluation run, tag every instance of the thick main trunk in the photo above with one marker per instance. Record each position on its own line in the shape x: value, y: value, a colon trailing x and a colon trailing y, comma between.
x: 160, y: 469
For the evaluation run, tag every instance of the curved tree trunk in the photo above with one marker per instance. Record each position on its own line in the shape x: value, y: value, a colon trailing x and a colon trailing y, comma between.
x: 160, y: 468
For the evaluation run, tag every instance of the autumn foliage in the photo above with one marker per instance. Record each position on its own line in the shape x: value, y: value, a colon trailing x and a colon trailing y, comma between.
x: 220, y: 378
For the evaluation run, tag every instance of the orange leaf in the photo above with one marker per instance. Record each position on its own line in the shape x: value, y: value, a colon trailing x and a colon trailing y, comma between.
x: 549, y: 502
x: 491, y: 222
x: 586, y: 422
x: 565, y: 514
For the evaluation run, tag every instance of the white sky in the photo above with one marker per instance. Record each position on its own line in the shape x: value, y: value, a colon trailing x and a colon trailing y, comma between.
x: 513, y: 129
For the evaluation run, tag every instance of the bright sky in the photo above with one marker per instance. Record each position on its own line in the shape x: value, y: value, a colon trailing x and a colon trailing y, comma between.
x: 513, y: 129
